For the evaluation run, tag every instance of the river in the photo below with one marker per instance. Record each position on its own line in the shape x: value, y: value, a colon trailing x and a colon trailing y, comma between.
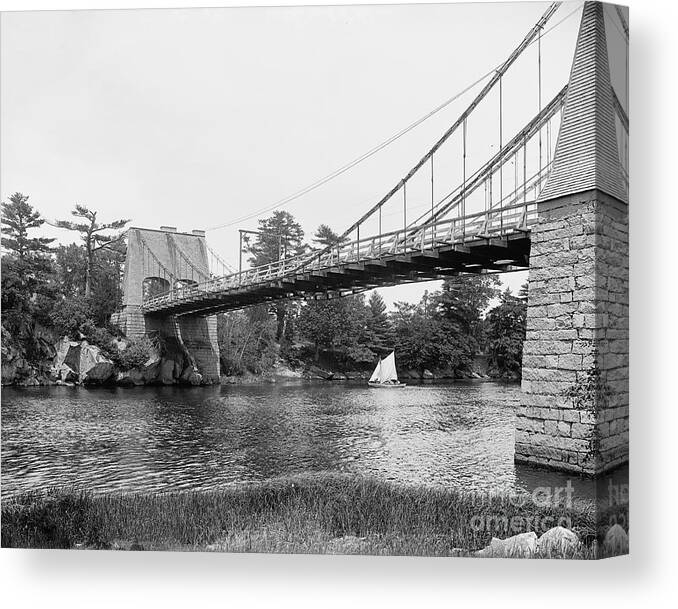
x: 457, y: 435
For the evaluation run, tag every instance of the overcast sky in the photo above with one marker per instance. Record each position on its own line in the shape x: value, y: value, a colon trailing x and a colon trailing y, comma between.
x: 197, y: 117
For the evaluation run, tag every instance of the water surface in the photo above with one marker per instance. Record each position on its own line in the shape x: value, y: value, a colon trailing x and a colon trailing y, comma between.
x: 457, y: 435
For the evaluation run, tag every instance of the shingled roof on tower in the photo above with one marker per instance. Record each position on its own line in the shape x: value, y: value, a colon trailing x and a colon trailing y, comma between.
x: 587, y: 155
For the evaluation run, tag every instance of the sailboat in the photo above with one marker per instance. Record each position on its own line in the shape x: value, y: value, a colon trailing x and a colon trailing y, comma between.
x: 385, y: 374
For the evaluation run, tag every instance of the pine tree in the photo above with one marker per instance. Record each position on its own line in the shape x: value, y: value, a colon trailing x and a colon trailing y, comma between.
x: 18, y: 217
x: 26, y: 293
x: 522, y: 294
x: 280, y: 236
x: 378, y: 325
x: 326, y: 237
x: 92, y: 237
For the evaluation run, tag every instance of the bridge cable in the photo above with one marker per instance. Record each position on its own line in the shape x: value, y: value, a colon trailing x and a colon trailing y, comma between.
x: 147, y: 250
x: 501, y: 145
x: 336, y: 173
x: 446, y: 204
x: 187, y: 260
x: 525, y: 135
x: 536, y: 29
x: 384, y: 144
x: 539, y: 94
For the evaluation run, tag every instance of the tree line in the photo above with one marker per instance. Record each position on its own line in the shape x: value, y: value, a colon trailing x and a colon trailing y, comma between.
x: 447, y: 329
x: 73, y: 290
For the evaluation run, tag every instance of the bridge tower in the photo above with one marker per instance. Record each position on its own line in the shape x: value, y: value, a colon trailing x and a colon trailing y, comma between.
x: 575, y: 364
x: 157, y: 261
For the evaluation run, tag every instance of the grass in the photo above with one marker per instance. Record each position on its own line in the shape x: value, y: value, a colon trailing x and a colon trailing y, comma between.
x: 327, y: 513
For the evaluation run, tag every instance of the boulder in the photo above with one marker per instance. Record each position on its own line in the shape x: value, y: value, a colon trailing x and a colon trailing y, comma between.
x: 616, y: 541
x: 195, y: 378
x: 558, y: 542
x: 120, y: 344
x: 130, y: 378
x: 150, y: 369
x: 190, y: 376
x: 94, y: 366
x: 427, y: 375
x: 186, y: 373
x: 523, y: 545
x: 62, y: 348
x: 166, y: 374
x: 123, y: 379
x: 66, y: 375
x: 79, y: 361
x: 316, y: 372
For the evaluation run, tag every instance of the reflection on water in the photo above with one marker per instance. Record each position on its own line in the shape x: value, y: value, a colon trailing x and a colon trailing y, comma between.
x: 458, y: 435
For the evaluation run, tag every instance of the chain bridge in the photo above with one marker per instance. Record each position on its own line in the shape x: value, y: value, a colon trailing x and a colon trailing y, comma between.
x: 551, y: 198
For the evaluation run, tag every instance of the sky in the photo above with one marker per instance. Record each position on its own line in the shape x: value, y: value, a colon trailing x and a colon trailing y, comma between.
x: 196, y: 118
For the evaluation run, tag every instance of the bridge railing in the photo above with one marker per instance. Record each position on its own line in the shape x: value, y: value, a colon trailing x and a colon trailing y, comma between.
x: 495, y: 222
x: 484, y: 224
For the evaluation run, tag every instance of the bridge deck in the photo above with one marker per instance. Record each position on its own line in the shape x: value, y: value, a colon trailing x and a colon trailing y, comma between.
x: 490, y: 241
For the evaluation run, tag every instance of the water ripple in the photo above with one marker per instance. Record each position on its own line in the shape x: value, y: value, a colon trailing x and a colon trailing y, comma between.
x: 458, y: 435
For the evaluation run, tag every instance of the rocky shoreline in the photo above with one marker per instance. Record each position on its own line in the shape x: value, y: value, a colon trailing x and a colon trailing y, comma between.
x: 79, y: 362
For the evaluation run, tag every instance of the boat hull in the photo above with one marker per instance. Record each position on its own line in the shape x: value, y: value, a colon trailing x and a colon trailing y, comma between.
x: 387, y: 385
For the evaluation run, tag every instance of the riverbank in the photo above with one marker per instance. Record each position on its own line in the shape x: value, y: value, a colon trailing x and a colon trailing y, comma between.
x: 72, y: 363
x: 324, y: 513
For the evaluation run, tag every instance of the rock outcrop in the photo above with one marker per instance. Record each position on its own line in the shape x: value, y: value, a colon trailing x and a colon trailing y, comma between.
x: 557, y: 542
x: 523, y: 545
x: 616, y: 541
x: 18, y: 368
x: 81, y: 362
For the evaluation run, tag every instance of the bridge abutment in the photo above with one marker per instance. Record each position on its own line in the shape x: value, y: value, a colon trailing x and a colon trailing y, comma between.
x: 158, y: 261
x: 189, y: 338
x: 199, y: 335
x: 575, y: 358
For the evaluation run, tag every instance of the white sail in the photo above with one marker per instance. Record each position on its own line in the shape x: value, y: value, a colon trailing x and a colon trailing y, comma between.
x: 376, y: 374
x: 388, y: 369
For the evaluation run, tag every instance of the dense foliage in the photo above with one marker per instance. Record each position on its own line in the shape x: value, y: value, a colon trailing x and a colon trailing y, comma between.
x: 506, y: 325
x: 46, y: 287
x: 247, y: 341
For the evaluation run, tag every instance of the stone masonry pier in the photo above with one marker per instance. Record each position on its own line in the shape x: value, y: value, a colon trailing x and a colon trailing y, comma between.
x: 575, y: 411
x: 575, y: 358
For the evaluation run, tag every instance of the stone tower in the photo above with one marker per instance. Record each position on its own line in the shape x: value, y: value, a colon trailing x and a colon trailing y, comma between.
x: 575, y: 359
x: 157, y: 261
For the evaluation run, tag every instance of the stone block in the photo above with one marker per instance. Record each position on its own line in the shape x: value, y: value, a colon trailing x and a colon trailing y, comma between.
x: 563, y: 428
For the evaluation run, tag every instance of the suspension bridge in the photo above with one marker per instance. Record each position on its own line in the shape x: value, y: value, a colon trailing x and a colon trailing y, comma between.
x: 552, y: 198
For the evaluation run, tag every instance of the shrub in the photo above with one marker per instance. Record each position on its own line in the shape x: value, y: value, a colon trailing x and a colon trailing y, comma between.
x: 72, y: 317
x: 136, y: 354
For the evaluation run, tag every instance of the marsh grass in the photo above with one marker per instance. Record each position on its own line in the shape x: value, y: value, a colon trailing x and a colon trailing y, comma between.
x: 328, y: 513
